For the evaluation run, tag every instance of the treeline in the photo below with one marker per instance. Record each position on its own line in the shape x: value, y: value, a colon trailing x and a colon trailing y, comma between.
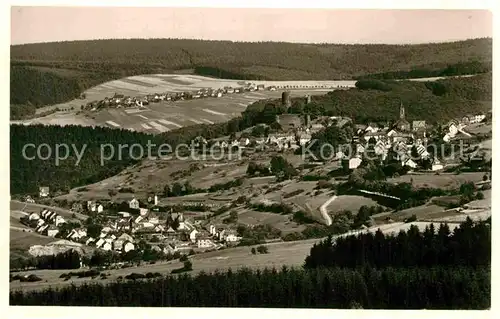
x: 86, y: 63
x: 178, y: 189
x: 456, y: 69
x: 67, y: 260
x: 42, y: 86
x: 468, y: 245
x: 225, y: 74
x: 417, y: 288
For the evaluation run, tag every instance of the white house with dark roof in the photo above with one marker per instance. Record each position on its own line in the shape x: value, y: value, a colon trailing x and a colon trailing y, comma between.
x: 134, y: 204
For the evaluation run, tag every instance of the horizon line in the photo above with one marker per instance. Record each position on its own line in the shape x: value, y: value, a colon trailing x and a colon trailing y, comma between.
x: 267, y: 41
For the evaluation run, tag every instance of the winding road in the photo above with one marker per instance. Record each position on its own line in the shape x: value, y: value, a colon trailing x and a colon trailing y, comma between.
x: 324, y: 212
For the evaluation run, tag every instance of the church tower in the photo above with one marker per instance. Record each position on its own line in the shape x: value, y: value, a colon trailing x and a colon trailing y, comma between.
x: 401, y: 111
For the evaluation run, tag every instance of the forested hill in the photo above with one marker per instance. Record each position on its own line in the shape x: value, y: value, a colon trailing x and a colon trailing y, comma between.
x: 277, y: 60
x: 87, y: 63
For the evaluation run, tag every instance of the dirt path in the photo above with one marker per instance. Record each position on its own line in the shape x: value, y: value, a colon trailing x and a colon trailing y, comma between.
x: 324, y: 212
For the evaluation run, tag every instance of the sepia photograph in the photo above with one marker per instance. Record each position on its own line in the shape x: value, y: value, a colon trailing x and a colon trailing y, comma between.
x: 250, y: 157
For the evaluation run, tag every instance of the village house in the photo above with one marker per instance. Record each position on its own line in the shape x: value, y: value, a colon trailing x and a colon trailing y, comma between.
x: 29, y: 199
x: 243, y: 142
x: 352, y: 163
x: 205, y: 242
x: 231, y: 238
x: 410, y: 163
x: 33, y: 216
x: 124, y: 214
x: 377, y: 135
x: 77, y: 234
x: 192, y: 235
x: 99, y: 243
x: 418, y: 126
x: 303, y: 137
x: 422, y: 151
x: 159, y: 228
x: 436, y: 165
x: 134, y: 204
x: 52, y: 231
x: 143, y: 211
x: 59, y: 220
x: 44, y: 191
x: 89, y: 241
x: 41, y: 229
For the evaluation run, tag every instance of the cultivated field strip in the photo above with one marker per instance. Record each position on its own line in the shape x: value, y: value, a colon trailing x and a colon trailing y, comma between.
x: 197, y: 111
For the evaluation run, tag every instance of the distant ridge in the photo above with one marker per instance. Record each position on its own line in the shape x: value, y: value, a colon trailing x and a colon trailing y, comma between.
x: 74, y: 66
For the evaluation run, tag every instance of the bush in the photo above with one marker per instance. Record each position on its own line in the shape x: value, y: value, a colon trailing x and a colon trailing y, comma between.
x: 253, y: 251
x: 183, y: 258
x: 324, y: 184
x: 412, y: 218
x: 135, y: 276
x: 262, y: 249
x: 30, y: 278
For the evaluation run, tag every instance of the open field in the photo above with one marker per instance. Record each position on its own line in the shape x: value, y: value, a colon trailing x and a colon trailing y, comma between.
x: 443, y: 180
x: 280, y: 254
x: 36, y: 208
x: 20, y: 240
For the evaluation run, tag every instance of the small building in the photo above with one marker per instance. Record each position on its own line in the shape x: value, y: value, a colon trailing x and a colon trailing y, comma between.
x: 34, y: 216
x: 192, y: 235
x: 159, y: 228
x: 436, y: 165
x: 143, y: 211
x: 100, y: 242
x: 52, y: 231
x: 124, y: 214
x: 352, y: 163
x: 44, y: 192
x: 410, y: 163
x: 231, y: 238
x: 134, y: 204
x: 108, y: 246
x: 418, y: 125
x: 205, y: 242
x: 59, y: 220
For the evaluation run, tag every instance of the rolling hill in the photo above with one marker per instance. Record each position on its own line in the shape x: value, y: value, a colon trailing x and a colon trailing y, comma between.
x: 83, y: 64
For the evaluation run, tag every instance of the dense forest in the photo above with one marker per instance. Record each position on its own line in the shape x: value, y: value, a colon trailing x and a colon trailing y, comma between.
x: 86, y: 63
x: 27, y: 175
x: 469, y: 245
x: 370, y: 277
x: 379, y: 101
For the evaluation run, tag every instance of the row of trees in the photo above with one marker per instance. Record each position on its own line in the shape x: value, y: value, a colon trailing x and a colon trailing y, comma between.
x: 461, y: 68
x: 417, y: 288
x: 468, y: 245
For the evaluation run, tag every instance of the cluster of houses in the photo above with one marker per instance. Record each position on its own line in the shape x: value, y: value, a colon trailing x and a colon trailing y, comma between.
x: 121, y: 101
x: 455, y: 129
x: 46, y: 222
x: 121, y: 231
